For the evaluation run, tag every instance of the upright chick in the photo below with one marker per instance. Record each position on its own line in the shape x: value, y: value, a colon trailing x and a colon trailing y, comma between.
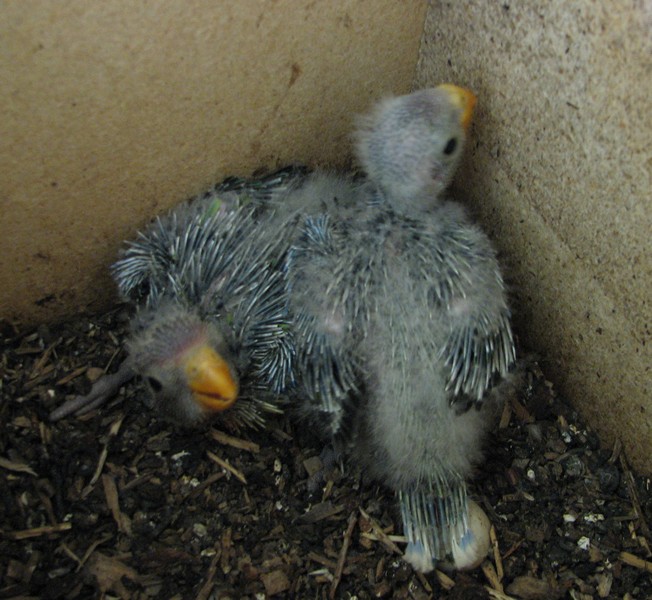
x: 401, y: 321
x: 211, y: 325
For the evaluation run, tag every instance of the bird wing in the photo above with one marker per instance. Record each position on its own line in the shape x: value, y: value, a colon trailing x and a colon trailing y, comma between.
x: 226, y: 265
x: 324, y: 316
x: 479, y: 345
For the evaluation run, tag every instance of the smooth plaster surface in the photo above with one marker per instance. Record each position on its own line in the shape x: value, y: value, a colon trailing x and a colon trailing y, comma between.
x: 113, y: 111
x: 558, y: 170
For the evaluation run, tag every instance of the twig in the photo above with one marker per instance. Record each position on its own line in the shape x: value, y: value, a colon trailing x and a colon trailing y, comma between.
x: 631, y: 488
x: 424, y: 582
x: 514, y: 548
x: 41, y: 362
x: 444, y: 580
x: 111, y: 494
x: 223, y: 438
x: 72, y: 375
x: 206, y: 589
x: 496, y: 550
x: 91, y: 549
x: 498, y: 595
x: 635, y: 561
x: 322, y: 560
x: 25, y: 534
x: 353, y: 519
x: 210, y: 480
x: 492, y: 576
x: 71, y: 554
x: 401, y: 539
x: 225, y: 465
x: 113, y: 430
x: 383, y: 538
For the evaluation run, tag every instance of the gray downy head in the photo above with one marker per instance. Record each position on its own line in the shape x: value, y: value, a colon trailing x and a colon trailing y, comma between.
x: 410, y: 146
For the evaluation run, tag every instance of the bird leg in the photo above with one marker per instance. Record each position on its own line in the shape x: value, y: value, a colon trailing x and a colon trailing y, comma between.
x: 103, y: 389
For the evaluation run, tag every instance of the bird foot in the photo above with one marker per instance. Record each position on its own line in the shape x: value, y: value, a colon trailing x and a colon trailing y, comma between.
x: 103, y: 389
x: 417, y: 557
x: 473, y: 546
x: 467, y: 552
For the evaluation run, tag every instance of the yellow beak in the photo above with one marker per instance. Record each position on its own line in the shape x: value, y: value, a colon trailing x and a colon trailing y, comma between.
x: 210, y: 378
x: 464, y: 99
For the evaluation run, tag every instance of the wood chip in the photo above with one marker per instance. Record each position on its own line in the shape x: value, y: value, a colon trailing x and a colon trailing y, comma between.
x: 17, y: 467
x: 312, y: 465
x: 520, y: 411
x: 275, y: 582
x: 531, y: 588
x: 109, y: 571
x: 506, y: 415
x: 111, y: 494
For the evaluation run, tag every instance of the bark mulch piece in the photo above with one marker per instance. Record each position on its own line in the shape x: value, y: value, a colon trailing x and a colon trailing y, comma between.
x: 118, y: 504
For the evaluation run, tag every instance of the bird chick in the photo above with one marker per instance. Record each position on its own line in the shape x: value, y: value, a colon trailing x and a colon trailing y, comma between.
x: 401, y: 321
x: 410, y: 146
x: 211, y: 333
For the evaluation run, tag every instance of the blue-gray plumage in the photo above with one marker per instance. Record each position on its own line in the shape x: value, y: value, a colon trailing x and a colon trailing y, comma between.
x: 211, y: 324
x: 401, y: 321
x: 376, y: 303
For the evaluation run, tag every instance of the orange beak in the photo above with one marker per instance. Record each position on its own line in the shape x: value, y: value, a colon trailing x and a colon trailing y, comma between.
x: 464, y: 99
x: 210, y: 378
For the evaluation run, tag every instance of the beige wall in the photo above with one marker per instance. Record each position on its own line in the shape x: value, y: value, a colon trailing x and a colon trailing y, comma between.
x: 559, y: 170
x: 112, y: 111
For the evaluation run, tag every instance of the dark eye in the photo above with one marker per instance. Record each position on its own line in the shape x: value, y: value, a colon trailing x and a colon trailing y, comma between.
x: 155, y: 384
x: 450, y: 146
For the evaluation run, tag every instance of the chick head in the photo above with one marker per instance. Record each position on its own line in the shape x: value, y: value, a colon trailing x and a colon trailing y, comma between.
x: 410, y: 145
x: 186, y: 364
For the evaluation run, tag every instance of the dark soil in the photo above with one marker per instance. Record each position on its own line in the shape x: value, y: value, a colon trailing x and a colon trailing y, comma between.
x: 120, y: 504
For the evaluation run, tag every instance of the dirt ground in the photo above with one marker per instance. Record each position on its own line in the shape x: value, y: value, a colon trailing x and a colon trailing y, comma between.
x: 119, y: 504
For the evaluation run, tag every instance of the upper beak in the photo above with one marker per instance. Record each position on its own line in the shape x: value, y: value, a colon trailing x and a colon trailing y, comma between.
x: 210, y: 378
x: 464, y: 99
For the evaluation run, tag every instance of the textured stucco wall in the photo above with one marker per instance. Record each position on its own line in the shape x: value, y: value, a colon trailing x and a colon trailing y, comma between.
x: 559, y: 172
x: 112, y: 111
